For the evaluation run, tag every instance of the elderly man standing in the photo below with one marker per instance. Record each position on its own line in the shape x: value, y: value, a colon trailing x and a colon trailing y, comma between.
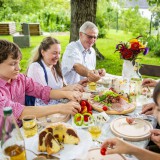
x: 79, y: 58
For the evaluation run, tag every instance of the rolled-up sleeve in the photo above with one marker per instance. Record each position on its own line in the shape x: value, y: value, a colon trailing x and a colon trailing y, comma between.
x: 17, y: 108
x: 37, y: 90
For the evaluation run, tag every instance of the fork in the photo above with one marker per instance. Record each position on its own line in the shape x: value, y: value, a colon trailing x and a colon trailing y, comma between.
x: 141, y: 116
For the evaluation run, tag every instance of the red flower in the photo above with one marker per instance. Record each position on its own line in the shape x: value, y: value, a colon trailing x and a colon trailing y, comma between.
x: 135, y: 46
x: 131, y: 49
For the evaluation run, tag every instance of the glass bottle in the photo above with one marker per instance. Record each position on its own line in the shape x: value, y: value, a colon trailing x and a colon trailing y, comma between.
x: 12, y: 141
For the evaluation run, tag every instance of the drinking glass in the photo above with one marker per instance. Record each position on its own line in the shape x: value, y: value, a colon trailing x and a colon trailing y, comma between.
x: 92, y: 86
x: 29, y: 125
x: 95, y: 130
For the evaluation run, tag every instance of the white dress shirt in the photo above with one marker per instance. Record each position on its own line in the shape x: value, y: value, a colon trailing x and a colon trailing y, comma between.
x: 36, y: 72
x: 75, y: 53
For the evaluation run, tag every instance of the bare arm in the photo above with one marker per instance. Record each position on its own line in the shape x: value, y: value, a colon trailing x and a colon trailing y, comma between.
x: 149, y: 82
x: 142, y: 154
x: 80, y: 69
x: 74, y: 87
x: 148, y: 109
x: 92, y: 75
x: 41, y: 111
x: 119, y: 146
x: 71, y: 95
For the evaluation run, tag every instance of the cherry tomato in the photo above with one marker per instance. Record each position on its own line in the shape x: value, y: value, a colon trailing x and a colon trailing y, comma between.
x: 105, y: 108
x: 86, y: 118
x: 83, y: 103
x: 90, y: 112
x: 83, y: 109
x: 89, y: 107
x: 103, y: 151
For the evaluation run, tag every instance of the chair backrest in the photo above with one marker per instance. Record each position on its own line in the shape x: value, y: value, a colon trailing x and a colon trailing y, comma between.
x: 150, y: 70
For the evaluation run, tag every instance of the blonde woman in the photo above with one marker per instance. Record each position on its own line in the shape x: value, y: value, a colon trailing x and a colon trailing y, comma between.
x: 45, y: 68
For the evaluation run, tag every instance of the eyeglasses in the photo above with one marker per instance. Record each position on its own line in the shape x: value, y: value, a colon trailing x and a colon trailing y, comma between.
x: 90, y: 37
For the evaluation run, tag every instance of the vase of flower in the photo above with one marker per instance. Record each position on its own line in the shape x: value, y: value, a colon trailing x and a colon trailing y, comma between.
x: 130, y: 70
x: 129, y: 52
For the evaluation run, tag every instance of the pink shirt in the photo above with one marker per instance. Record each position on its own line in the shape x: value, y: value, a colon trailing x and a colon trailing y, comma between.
x: 13, y: 94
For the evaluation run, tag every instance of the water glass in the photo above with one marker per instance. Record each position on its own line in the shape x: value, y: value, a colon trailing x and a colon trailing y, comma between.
x: 29, y: 125
x: 95, y: 130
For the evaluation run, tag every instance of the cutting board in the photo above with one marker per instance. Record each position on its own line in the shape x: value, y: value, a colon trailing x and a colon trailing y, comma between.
x: 113, y: 111
x: 138, y: 131
x: 99, y: 109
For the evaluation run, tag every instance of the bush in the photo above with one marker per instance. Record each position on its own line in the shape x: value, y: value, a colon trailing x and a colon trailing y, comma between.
x: 157, y: 49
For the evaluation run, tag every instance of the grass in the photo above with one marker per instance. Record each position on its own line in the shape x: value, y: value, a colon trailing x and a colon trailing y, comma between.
x: 112, y: 62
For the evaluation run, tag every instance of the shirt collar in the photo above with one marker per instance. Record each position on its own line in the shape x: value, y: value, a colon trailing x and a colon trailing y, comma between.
x: 82, y: 49
x: 46, y: 67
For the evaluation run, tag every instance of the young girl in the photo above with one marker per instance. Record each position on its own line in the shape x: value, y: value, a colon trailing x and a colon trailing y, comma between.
x: 14, y: 86
x: 47, y: 56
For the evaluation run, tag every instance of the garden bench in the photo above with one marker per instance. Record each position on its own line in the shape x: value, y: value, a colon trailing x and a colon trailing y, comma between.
x: 7, y: 28
x: 150, y: 70
x: 22, y: 40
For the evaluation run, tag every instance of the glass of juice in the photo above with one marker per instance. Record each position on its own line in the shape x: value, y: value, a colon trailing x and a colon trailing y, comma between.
x: 95, y: 131
x: 15, y: 152
x: 92, y: 86
x: 29, y: 125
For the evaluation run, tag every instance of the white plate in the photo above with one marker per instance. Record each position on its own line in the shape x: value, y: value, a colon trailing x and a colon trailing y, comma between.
x: 140, y: 130
x: 100, y: 118
x: 82, y: 126
x: 70, y: 151
x: 99, y: 88
x: 94, y: 154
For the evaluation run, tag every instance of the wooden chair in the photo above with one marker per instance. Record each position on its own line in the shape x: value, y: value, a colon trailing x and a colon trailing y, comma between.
x: 150, y: 70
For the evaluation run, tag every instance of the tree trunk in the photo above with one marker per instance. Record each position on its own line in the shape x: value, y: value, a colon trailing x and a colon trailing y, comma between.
x: 82, y: 11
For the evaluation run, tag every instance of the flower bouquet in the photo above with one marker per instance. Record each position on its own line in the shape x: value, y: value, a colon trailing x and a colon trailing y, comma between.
x: 131, y: 49
x: 129, y: 52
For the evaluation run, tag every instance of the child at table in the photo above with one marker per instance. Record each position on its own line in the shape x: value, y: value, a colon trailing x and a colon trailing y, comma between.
x: 121, y: 147
x: 14, y: 86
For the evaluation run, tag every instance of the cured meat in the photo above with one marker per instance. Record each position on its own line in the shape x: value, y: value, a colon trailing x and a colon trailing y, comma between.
x: 119, y: 107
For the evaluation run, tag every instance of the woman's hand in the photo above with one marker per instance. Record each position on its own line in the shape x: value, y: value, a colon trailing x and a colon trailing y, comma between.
x: 83, y: 82
x: 155, y: 136
x: 148, y: 109
x: 116, y: 145
x: 73, y: 95
x: 149, y: 82
x: 74, y: 87
x: 69, y: 108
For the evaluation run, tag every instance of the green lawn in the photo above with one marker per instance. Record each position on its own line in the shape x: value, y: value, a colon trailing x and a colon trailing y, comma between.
x: 112, y: 62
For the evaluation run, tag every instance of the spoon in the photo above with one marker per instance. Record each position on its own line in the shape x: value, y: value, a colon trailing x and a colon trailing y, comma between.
x: 44, y: 155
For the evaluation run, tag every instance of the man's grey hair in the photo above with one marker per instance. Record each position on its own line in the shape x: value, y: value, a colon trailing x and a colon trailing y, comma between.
x: 88, y: 25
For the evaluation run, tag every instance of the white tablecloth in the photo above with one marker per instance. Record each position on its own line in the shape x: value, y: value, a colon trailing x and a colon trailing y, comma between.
x: 106, y: 133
